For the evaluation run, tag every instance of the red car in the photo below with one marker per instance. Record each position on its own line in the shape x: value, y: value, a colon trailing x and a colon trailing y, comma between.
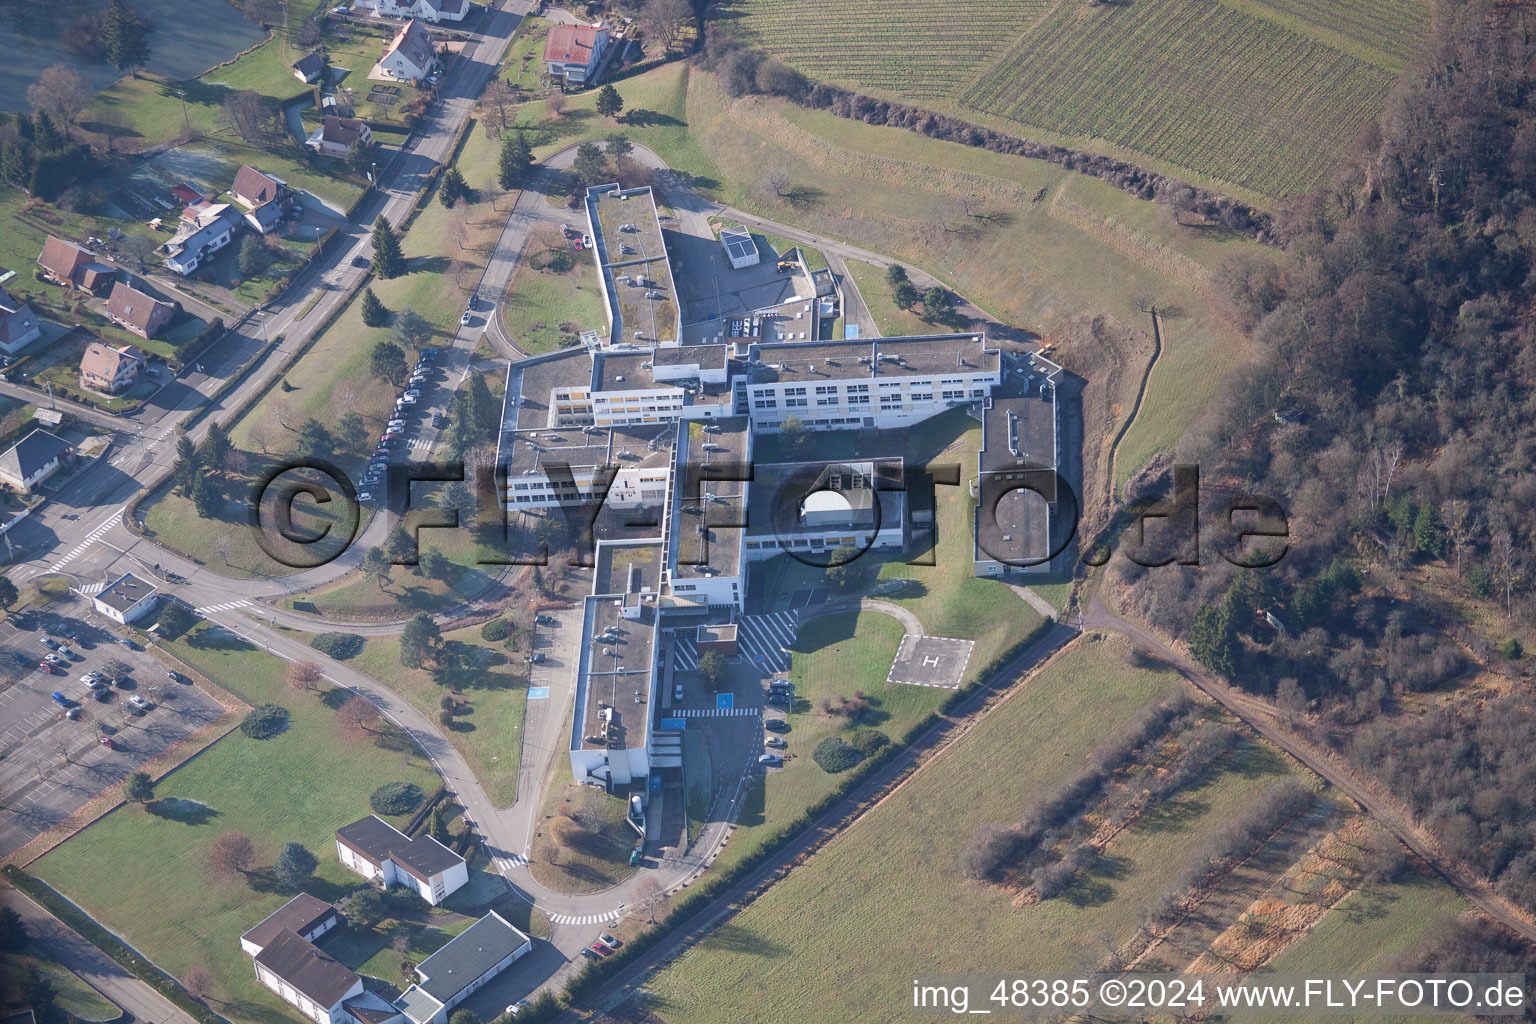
x: 47, y: 667
x: 106, y: 741
x: 599, y: 949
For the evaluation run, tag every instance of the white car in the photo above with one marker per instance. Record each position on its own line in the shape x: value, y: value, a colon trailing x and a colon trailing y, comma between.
x: 92, y: 682
x: 770, y: 759
x: 775, y: 741
x: 412, y: 393
x: 140, y: 702
x: 405, y: 400
x: 465, y: 319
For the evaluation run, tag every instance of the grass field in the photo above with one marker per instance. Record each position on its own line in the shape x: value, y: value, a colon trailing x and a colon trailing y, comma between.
x: 544, y: 310
x: 852, y: 924
x: 890, y: 319
x: 300, y: 785
x: 492, y: 683
x: 601, y: 856
x: 1261, y: 94
x: 74, y: 995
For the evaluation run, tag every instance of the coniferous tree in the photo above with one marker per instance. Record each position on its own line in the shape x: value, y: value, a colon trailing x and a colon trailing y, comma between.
x: 388, y: 260
x: 516, y: 161
x: 375, y: 313
x: 124, y: 34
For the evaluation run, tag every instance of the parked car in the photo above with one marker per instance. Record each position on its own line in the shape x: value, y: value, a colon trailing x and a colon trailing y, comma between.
x: 775, y: 742
x: 770, y: 759
x: 599, y: 949
x: 91, y: 681
x: 68, y: 652
x: 50, y: 643
x: 128, y: 643
x: 544, y: 620
x: 73, y: 713
x: 106, y: 741
x: 61, y: 700
x: 47, y: 666
x: 538, y: 657
x: 407, y: 399
x: 365, y: 496
x: 439, y: 420
x: 413, y: 393
x: 173, y: 675
x: 465, y: 319
x: 429, y: 352
x: 609, y: 941
x: 121, y: 682
x: 586, y: 952
x: 587, y: 241
x: 776, y: 725
x: 140, y: 702
x: 53, y: 659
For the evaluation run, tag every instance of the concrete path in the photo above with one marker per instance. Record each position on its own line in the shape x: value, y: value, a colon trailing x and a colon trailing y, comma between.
x: 70, y: 950
x: 1034, y: 600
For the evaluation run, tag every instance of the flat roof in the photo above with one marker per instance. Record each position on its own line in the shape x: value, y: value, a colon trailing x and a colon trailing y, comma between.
x: 625, y: 370
x: 872, y: 488
x: 530, y: 381
x: 708, y: 357
x: 628, y: 241
x: 738, y: 242
x: 631, y: 446
x: 617, y: 559
x: 860, y: 359
x: 1019, y: 431
x: 417, y: 1004
x: 1013, y: 515
x: 710, y: 509
x: 468, y: 956
x: 617, y: 675
x: 126, y: 592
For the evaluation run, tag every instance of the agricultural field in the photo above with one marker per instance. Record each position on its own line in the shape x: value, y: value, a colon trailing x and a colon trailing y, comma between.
x: 924, y: 49
x: 854, y: 923
x: 1259, y: 95
x: 299, y: 785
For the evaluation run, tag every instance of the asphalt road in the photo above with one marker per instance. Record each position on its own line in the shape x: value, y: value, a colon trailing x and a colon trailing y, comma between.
x: 69, y: 950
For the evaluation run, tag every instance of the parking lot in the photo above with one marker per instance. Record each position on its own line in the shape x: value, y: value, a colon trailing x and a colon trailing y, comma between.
x: 52, y: 765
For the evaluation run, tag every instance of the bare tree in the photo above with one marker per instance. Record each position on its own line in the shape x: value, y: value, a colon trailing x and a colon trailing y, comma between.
x: 775, y: 181
x: 304, y: 675
x: 61, y: 92
x: 345, y: 395
x: 198, y: 983
x: 247, y: 113
x: 554, y: 105
x: 357, y: 718
x: 261, y: 434
x: 497, y: 99
x: 1507, y: 567
x: 648, y: 893
x: 136, y: 250
x: 664, y: 19
x: 281, y: 411
x: 232, y: 853
x: 1461, y: 526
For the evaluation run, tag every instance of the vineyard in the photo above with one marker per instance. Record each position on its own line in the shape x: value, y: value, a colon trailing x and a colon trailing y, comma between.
x: 1396, y: 28
x: 1193, y: 82
x: 920, y: 49
x: 1263, y: 94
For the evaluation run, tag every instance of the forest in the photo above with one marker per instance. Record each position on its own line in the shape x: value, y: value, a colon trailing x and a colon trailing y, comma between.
x: 1393, y: 412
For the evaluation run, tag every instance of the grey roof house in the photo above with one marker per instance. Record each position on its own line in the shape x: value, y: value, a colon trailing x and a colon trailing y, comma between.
x: 32, y: 460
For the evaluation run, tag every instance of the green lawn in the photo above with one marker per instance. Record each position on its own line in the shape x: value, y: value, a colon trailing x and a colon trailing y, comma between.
x: 890, y: 319
x: 74, y: 995
x: 298, y: 786
x: 600, y: 856
x: 492, y: 680
x: 885, y: 900
x: 544, y: 310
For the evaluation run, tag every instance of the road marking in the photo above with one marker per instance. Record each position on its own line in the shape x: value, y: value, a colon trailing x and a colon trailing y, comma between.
x: 90, y: 588
x: 538, y: 692
x: 207, y: 610
x: 612, y: 915
x: 90, y: 539
x: 718, y: 712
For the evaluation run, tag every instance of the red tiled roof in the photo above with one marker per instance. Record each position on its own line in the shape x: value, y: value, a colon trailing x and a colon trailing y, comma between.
x: 143, y: 312
x: 571, y: 44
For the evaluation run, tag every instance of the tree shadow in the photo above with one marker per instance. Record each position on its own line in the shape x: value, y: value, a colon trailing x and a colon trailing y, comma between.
x: 737, y: 939
x: 188, y: 812
x: 335, y: 697
x: 640, y: 117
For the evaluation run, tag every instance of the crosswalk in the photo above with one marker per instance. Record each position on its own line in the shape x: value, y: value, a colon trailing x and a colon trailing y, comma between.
x: 209, y: 609
x: 89, y: 589
x: 764, y: 638
x: 685, y: 653
x: 90, y: 538
x: 612, y: 915
x: 717, y: 712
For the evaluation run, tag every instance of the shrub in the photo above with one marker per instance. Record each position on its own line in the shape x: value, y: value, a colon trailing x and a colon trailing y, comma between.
x: 495, y: 630
x: 1511, y: 649
x: 867, y: 741
x: 394, y: 798
x: 340, y: 646
x: 265, y: 721
x: 835, y: 755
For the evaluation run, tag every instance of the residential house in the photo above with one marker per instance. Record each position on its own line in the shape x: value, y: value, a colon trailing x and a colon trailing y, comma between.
x: 427, y: 10
x: 126, y: 599
x: 336, y: 135
x: 410, y: 57
x: 142, y: 314
x: 32, y: 460
x: 572, y: 52
x: 74, y: 266
x: 208, y: 229
x: 110, y: 370
x: 267, y: 200
x: 304, y: 915
x: 309, y: 68
x: 19, y: 324
x: 455, y: 972
x: 376, y: 849
x: 307, y: 977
